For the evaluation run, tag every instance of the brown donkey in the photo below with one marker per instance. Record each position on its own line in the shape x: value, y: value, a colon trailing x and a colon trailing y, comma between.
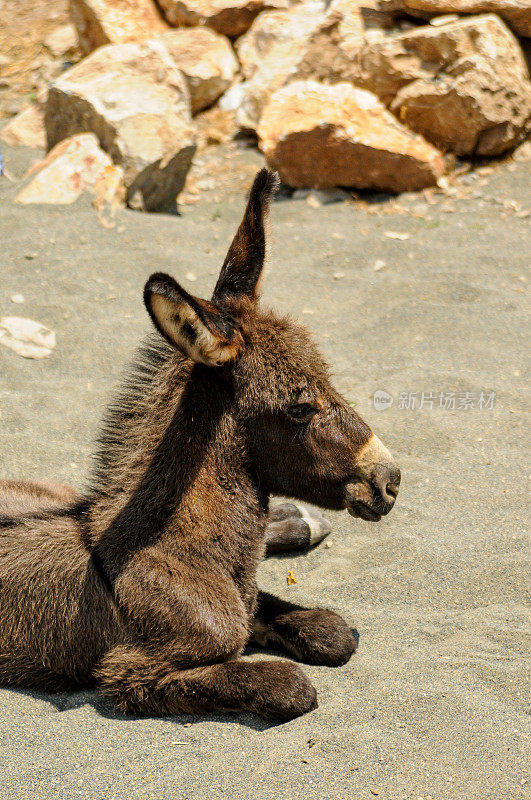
x: 145, y: 587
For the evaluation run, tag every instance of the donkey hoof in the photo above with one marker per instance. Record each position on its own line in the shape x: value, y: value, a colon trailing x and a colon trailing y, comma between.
x: 296, y: 696
x: 306, y: 523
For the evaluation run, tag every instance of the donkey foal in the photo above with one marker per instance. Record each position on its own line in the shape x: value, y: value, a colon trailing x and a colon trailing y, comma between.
x: 145, y: 586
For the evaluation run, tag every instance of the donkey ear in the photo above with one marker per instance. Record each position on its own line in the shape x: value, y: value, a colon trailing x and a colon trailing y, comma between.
x: 243, y: 264
x: 203, y: 332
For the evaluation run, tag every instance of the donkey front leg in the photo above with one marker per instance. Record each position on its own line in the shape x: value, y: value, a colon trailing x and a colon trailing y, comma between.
x: 138, y: 684
x: 291, y: 526
x: 312, y: 635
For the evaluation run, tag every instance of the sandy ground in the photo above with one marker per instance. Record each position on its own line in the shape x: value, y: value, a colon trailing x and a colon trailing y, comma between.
x: 432, y: 706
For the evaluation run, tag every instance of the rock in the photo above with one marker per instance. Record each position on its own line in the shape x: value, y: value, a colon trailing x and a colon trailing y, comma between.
x: 62, y: 40
x: 74, y: 166
x: 462, y: 114
x: 313, y: 40
x: 523, y: 153
x: 26, y: 129
x: 137, y: 103
x: 206, y: 60
x: 464, y: 86
x: 324, y: 136
x: 273, y: 32
x: 270, y: 55
x: 100, y: 22
x: 233, y: 97
x: 215, y: 126
x: 232, y: 18
x: 26, y: 337
x: 516, y: 13
x: 444, y: 19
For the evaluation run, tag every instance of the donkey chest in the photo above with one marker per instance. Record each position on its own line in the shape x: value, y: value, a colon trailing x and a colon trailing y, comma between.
x: 240, y: 552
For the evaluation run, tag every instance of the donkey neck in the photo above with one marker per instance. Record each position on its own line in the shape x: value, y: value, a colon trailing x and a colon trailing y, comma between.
x: 172, y: 459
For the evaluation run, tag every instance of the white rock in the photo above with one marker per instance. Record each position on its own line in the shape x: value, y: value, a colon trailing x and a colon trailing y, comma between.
x: 74, y: 166
x: 206, y: 60
x: 26, y: 337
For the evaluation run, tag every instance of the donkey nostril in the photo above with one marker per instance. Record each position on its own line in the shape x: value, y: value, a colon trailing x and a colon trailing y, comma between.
x: 392, y: 490
x: 386, y: 481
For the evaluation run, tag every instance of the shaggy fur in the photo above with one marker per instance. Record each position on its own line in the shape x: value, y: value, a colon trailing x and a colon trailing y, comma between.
x: 145, y: 586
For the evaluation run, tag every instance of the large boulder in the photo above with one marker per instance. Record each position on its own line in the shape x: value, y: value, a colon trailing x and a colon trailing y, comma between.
x: 516, y: 13
x: 137, y: 103
x: 206, y: 60
x: 72, y: 167
x: 464, y: 85
x: 314, y: 40
x: 229, y: 17
x: 101, y: 22
x: 321, y: 136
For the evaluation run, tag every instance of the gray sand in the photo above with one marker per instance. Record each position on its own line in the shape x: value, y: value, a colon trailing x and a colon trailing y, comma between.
x: 432, y: 706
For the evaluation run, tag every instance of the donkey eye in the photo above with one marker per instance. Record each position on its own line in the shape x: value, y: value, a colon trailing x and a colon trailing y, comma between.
x: 302, y: 412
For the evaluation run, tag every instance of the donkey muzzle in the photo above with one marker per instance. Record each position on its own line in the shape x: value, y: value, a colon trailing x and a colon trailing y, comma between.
x: 373, y: 490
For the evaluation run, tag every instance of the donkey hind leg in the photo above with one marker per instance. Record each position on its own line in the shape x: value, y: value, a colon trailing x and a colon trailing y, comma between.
x: 32, y: 497
x: 137, y: 683
x: 294, y: 527
x: 312, y: 635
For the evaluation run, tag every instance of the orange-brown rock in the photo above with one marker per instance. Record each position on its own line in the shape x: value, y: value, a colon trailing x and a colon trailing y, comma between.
x: 100, y: 22
x: 464, y: 85
x: 321, y: 136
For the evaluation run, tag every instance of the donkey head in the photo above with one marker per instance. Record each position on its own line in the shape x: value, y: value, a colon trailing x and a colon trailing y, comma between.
x: 304, y: 439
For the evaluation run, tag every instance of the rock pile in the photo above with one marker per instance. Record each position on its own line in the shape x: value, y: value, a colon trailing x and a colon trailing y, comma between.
x: 364, y: 94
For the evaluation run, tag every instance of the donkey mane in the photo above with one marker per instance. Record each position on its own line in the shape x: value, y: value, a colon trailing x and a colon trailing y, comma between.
x: 129, y: 405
